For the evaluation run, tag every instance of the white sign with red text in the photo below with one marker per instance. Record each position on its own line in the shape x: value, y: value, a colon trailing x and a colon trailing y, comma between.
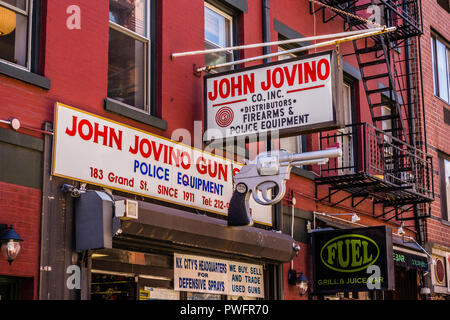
x: 95, y: 150
x: 295, y: 96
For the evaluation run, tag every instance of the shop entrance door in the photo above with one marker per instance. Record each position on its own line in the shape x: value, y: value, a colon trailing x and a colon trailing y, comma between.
x: 406, y: 286
x: 9, y: 288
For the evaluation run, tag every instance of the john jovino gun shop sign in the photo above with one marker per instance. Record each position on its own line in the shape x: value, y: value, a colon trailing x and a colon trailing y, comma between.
x: 103, y: 152
x: 291, y: 96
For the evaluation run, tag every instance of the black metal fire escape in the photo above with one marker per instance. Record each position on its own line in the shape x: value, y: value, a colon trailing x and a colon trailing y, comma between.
x: 393, y: 167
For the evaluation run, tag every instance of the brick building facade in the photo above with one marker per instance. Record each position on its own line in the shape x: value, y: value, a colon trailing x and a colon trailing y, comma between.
x: 70, y: 62
x: 436, y: 24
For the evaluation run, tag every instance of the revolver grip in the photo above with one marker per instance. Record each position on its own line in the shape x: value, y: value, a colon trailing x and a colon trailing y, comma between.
x: 238, y: 210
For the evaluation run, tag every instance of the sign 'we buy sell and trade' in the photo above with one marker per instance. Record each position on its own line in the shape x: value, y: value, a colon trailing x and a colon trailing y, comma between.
x: 217, y: 276
x: 95, y: 150
x: 292, y: 96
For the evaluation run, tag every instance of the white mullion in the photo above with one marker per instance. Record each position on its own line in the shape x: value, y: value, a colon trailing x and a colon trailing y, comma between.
x: 213, y: 44
x: 15, y: 9
x: 213, y: 8
x: 29, y: 6
x: 148, y: 82
x: 128, y: 32
x: 447, y: 52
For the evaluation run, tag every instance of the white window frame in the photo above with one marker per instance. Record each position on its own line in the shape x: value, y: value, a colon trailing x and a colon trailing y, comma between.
x: 436, y: 86
x: 443, y: 180
x: 285, y: 56
x: 147, y: 59
x: 28, y: 12
x: 348, y: 150
x: 226, y: 16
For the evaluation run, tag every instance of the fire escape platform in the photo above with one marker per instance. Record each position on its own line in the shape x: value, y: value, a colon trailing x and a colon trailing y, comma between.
x: 365, y: 185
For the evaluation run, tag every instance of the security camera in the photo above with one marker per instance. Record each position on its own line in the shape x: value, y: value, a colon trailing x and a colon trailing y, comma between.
x: 66, y: 188
x: 74, y: 192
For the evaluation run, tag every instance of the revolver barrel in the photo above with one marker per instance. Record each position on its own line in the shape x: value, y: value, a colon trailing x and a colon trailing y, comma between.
x: 310, y: 156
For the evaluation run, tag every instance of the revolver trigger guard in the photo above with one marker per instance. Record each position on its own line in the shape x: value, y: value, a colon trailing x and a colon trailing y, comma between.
x: 265, y: 187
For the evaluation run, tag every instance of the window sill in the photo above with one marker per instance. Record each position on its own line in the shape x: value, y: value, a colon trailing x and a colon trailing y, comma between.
x: 442, y: 100
x: 126, y: 111
x: 303, y: 173
x: 25, y: 76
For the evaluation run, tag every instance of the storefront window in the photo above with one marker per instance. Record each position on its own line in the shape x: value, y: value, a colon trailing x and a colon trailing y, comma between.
x: 202, y: 296
x: 112, y: 287
x: 129, y: 275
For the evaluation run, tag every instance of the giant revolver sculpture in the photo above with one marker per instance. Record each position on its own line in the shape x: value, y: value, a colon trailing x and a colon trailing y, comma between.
x: 268, y: 172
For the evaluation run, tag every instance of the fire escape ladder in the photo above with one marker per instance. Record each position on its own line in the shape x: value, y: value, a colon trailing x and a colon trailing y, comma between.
x: 395, y: 169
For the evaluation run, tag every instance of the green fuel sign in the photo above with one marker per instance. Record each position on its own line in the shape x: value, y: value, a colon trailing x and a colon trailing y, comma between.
x: 353, y: 260
x: 349, y: 253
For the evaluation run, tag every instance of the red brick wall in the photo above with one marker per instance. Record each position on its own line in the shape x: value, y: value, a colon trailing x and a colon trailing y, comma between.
x: 301, y: 263
x: 21, y: 207
x: 76, y: 61
x: 438, y: 138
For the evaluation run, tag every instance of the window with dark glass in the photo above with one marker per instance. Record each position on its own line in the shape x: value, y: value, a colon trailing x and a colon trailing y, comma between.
x: 15, y: 26
x: 129, y: 53
x: 445, y: 4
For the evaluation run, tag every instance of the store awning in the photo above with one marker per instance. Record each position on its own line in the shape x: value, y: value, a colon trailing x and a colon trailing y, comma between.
x: 185, y: 230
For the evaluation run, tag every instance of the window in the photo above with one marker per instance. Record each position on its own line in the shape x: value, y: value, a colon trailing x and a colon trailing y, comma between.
x: 444, y: 175
x: 129, y: 53
x: 218, y: 34
x: 15, y: 32
x: 346, y: 163
x: 441, y: 68
x: 287, y: 55
x: 386, y: 126
x: 445, y: 4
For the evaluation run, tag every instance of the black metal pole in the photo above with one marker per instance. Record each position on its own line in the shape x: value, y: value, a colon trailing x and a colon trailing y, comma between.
x: 266, y: 27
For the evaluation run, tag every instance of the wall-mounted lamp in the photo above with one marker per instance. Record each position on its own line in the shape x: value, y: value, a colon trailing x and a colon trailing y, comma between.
x: 298, y: 280
x: 401, y: 231
x: 10, y: 242
x: 14, y: 123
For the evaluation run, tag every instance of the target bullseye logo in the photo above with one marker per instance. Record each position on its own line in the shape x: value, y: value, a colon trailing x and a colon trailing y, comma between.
x: 224, y: 117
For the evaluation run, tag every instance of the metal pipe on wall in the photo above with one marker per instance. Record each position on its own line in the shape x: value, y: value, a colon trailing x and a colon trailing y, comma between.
x: 266, y: 27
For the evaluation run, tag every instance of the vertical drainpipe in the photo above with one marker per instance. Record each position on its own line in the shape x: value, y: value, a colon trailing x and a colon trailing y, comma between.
x: 411, y: 116
x: 266, y: 50
x: 266, y: 26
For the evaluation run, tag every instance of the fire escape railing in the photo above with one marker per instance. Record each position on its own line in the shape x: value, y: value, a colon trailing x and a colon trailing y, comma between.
x: 381, y: 157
